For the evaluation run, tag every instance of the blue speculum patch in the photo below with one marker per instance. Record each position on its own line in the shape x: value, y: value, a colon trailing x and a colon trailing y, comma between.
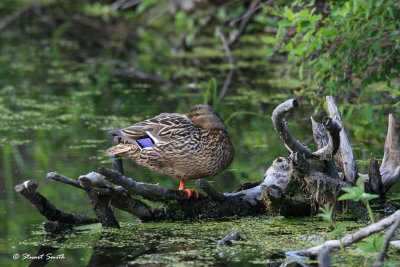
x: 145, y: 142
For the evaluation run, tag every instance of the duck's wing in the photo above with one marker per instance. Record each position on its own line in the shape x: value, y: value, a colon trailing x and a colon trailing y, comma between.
x: 163, y: 128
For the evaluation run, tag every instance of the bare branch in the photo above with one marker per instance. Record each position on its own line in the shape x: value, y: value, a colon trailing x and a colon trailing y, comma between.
x: 148, y: 191
x: 63, y: 179
x: 244, y: 21
x: 389, y: 235
x: 353, y: 237
x: 279, y: 118
x: 203, y: 184
x: 100, y: 202
x: 17, y: 14
x: 46, y: 208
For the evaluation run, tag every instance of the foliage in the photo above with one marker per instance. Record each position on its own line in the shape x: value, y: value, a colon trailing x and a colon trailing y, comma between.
x: 212, y: 87
x: 345, y: 43
x: 349, y: 49
x: 373, y: 243
x: 357, y: 193
x: 326, y: 213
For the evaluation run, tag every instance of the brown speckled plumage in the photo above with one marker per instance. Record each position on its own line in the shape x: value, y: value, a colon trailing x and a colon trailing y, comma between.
x: 186, y: 146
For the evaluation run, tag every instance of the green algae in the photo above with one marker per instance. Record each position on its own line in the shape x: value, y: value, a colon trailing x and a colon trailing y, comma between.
x: 265, y: 240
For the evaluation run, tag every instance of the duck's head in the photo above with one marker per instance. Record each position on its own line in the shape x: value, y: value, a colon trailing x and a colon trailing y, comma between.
x: 205, y: 117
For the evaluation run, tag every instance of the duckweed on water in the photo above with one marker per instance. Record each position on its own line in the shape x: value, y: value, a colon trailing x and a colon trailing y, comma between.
x: 194, y: 242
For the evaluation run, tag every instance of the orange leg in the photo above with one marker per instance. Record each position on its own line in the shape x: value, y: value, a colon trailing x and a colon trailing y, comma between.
x: 188, y: 192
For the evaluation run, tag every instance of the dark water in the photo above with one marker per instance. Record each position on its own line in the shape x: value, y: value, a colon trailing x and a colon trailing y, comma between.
x: 54, y: 115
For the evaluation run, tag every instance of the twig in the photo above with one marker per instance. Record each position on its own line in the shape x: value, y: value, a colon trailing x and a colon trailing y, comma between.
x: 100, y: 202
x: 203, y: 184
x: 7, y: 20
x: 125, y: 4
x: 244, y: 21
x: 389, y: 235
x: 47, y: 209
x: 225, y: 86
x: 63, y: 179
x: 225, y: 44
x: 279, y: 116
x: 232, y: 61
x: 353, y: 237
x: 119, y: 196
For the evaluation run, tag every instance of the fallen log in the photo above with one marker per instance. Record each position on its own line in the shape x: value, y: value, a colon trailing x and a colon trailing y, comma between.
x: 293, y: 186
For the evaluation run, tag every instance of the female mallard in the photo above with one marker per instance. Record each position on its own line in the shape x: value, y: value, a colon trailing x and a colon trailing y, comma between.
x: 185, y: 146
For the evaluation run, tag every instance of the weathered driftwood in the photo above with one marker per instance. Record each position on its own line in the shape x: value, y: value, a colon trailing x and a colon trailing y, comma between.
x: 323, y: 139
x: 100, y: 202
x: 47, y: 209
x: 344, y: 158
x: 390, y: 167
x: 279, y: 119
x: 389, y: 235
x: 119, y: 197
x: 351, y: 238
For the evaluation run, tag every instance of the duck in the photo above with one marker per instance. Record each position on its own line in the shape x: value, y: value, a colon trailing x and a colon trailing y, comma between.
x: 186, y: 146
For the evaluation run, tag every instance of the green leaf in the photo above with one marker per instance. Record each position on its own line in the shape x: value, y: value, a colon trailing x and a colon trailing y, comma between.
x: 352, y: 193
x: 372, y: 243
x: 326, y: 213
x: 338, y: 232
x: 367, y: 197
